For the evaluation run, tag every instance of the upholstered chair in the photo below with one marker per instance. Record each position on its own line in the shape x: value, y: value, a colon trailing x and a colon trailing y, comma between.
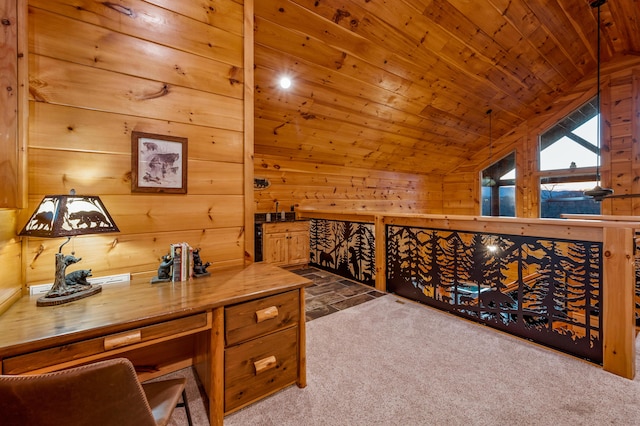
x: 104, y: 393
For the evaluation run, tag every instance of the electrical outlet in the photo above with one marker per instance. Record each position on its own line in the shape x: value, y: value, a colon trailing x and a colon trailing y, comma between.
x: 109, y: 279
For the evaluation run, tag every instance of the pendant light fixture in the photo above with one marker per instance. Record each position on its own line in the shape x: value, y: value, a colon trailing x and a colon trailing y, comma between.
x: 598, y: 193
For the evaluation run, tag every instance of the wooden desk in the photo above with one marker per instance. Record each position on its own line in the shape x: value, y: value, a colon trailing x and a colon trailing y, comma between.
x: 254, y: 315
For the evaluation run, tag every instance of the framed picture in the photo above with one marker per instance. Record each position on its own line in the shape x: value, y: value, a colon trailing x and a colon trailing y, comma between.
x: 158, y: 163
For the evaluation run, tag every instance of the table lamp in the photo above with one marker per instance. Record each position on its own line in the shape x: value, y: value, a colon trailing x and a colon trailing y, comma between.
x: 67, y: 216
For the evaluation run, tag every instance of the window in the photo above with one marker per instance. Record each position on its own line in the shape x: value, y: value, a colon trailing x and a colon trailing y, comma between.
x: 568, y: 159
x: 498, y: 185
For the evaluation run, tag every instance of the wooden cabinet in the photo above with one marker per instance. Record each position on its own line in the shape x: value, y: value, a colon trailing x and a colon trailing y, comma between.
x: 286, y: 243
x: 262, y: 348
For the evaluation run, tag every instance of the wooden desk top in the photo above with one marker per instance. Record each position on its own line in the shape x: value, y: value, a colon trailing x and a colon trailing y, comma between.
x: 26, y: 327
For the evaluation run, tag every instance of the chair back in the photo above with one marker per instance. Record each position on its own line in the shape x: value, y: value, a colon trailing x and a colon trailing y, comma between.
x: 105, y: 393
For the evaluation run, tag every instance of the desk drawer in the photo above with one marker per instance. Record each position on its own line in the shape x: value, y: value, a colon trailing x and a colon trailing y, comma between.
x: 104, y: 344
x: 259, y: 367
x: 252, y: 319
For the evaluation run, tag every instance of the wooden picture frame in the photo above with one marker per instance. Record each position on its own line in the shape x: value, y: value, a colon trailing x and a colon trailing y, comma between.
x: 158, y: 163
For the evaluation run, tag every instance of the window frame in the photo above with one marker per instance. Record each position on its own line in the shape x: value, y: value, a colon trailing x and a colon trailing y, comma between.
x: 579, y: 116
x: 496, y: 169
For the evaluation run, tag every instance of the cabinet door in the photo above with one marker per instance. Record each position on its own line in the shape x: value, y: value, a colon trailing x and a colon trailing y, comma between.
x: 275, y: 248
x: 299, y: 247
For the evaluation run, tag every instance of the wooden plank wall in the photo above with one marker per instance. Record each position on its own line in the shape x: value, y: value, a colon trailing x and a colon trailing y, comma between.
x: 9, y: 103
x: 343, y: 189
x: 624, y: 154
x: 620, y: 98
x: 347, y: 189
x: 12, y: 76
x: 100, y: 70
x: 461, y: 193
x: 10, y: 259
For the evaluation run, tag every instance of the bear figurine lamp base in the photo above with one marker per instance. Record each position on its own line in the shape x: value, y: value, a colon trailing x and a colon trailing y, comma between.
x: 67, y: 216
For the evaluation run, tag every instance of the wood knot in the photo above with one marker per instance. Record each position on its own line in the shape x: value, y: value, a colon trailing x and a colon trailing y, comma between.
x: 164, y: 90
x: 119, y: 8
x: 275, y: 130
x: 339, y: 15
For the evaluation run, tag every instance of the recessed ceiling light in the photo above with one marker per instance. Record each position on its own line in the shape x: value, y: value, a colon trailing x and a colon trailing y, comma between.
x: 285, y: 82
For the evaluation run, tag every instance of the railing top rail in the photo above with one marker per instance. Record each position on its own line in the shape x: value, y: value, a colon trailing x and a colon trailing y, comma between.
x: 589, y: 221
x: 588, y: 229
x: 608, y: 218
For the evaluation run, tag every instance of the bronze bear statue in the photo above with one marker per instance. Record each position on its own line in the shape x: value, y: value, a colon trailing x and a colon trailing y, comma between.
x: 78, y: 277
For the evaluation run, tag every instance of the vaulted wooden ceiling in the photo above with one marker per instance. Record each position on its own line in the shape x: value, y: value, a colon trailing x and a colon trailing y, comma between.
x: 405, y: 85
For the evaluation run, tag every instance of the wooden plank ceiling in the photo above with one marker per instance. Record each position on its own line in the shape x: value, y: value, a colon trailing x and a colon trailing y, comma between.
x: 405, y: 85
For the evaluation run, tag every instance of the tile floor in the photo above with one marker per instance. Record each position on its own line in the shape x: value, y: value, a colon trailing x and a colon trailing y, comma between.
x: 331, y: 293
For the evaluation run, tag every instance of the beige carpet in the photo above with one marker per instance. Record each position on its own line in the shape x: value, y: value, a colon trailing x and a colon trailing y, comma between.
x: 393, y: 362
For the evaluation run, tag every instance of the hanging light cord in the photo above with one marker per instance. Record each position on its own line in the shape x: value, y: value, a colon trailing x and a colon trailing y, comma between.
x: 597, y: 4
x: 489, y: 111
x: 598, y: 193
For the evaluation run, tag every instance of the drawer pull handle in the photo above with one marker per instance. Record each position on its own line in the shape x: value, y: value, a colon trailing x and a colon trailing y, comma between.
x: 112, y: 342
x: 267, y: 313
x: 265, y: 364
